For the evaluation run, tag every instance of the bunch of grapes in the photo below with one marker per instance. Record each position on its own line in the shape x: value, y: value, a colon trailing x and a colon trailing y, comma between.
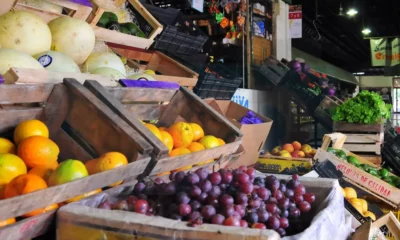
x: 231, y: 198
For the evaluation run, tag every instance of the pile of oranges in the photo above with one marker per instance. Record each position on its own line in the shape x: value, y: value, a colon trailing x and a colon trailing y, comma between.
x: 30, y: 163
x: 183, y: 138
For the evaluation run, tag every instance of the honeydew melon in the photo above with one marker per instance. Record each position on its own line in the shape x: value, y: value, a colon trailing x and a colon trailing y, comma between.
x: 142, y: 76
x: 108, y: 72
x: 57, y: 62
x: 13, y: 58
x: 104, y: 60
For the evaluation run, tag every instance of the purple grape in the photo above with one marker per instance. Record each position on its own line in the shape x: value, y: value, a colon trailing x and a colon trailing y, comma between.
x: 179, y: 176
x: 192, y: 178
x: 283, y: 222
x: 172, y: 176
x: 182, y: 197
x: 262, y: 215
x: 294, y: 212
x: 304, y: 206
x: 273, y: 223
x: 292, y: 184
x: 194, y: 215
x: 252, y: 218
x: 255, y: 203
x: 207, y: 212
x: 184, y: 209
x: 240, y: 210
x: 263, y: 193
x: 242, y: 178
x: 282, y: 187
x: 283, y: 203
x: 215, y: 178
x: 281, y: 232
x: 158, y: 181
x: 170, y: 189
x: 309, y: 197
x: 289, y: 193
x: 215, y: 191
x: 285, y: 213
x: 259, y: 182
x: 218, y: 219
x: 271, y: 207
x: 226, y: 200
x: 226, y: 176
x: 227, y: 211
x: 299, y: 190
x: 246, y: 187
x: 139, y: 187
x: 202, y: 197
x: 223, y: 186
x: 195, y: 204
x: 251, y: 172
x: 278, y: 195
x: 205, y: 186
x: 213, y: 201
x: 272, y: 200
x: 195, y: 191
x: 202, y: 173
x: 298, y: 199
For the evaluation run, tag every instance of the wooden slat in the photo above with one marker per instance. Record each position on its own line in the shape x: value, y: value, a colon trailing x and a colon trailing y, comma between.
x: 69, y: 148
x: 160, y: 150
x: 11, y: 94
x: 376, y: 148
x: 168, y: 66
x: 127, y: 95
x: 363, y: 138
x: 10, y: 118
x: 356, y: 128
x: 20, y: 205
x: 146, y: 111
x: 100, y: 127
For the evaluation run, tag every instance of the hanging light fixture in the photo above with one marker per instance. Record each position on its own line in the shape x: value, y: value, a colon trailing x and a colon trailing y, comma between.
x: 366, y: 31
x: 352, y: 12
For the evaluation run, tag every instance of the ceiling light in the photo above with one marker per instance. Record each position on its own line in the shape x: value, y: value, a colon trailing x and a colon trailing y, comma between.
x: 352, y: 12
x: 366, y: 31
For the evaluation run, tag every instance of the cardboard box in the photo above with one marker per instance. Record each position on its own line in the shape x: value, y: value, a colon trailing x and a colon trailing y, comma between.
x: 254, y: 135
x: 281, y: 165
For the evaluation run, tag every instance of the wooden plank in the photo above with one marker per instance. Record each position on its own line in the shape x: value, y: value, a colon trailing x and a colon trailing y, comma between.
x: 375, y: 148
x: 168, y: 66
x: 25, y: 75
x: 146, y: 111
x: 95, y: 122
x: 121, y: 38
x: 182, y: 81
x: 130, y: 52
x: 356, y: 128
x: 160, y: 150
x: 126, y: 95
x: 10, y: 118
x: 20, y: 205
x: 11, y: 94
x: 363, y: 138
x: 69, y: 148
x: 377, y: 160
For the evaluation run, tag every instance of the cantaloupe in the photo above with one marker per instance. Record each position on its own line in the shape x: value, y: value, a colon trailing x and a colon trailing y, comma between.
x: 104, y: 60
x: 73, y: 37
x: 57, y: 62
x: 108, y: 72
x: 13, y: 58
x: 24, y: 31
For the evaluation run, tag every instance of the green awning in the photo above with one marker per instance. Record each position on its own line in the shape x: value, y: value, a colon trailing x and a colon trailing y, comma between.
x: 324, y: 67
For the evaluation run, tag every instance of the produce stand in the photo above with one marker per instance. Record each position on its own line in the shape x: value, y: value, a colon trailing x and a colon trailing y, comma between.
x: 135, y: 104
x: 75, y: 10
x: 78, y: 137
x: 170, y: 70
x: 369, y: 183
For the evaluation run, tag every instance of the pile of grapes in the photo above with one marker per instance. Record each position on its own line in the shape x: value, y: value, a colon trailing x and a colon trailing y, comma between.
x: 231, y: 198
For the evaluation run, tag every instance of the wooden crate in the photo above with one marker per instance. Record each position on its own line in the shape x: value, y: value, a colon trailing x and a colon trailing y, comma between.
x: 112, y: 36
x: 83, y: 128
x: 389, y: 221
x: 167, y: 69
x: 72, y: 9
x: 322, y: 112
x: 176, y: 105
x: 361, y: 137
x: 369, y: 183
x: 30, y: 76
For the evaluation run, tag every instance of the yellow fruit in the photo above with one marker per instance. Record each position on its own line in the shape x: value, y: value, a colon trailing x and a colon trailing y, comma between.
x: 195, y: 147
x: 24, y: 184
x: 364, y: 205
x: 91, y: 166
x: 221, y: 142
x: 42, y: 171
x: 149, y: 71
x: 153, y: 129
x: 167, y: 140
x: 110, y: 161
x: 182, y: 134
x: 356, y: 203
x: 75, y: 199
x: 370, y: 214
x: 30, y: 128
x: 68, y: 171
x: 350, y: 193
x: 11, y: 166
x: 163, y: 129
x: 179, y: 152
x: 38, y: 151
x: 198, y: 131
x: 6, y: 146
x: 209, y: 142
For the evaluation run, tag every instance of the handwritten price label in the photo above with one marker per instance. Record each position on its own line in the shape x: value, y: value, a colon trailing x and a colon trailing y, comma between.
x: 368, y: 182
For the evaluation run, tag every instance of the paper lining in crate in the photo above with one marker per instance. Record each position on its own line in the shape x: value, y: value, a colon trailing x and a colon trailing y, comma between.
x: 53, y: 9
x: 83, y: 128
x: 138, y: 15
x: 168, y: 106
x: 376, y: 186
x: 82, y: 220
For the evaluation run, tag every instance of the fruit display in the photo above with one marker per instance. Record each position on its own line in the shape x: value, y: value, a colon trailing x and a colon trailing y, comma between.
x: 295, y: 150
x: 361, y: 205
x: 231, y: 198
x: 381, y: 173
x: 184, y: 138
x: 110, y: 21
x: 29, y: 163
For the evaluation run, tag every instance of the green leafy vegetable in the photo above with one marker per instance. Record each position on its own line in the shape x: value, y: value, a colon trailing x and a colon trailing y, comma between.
x: 367, y: 108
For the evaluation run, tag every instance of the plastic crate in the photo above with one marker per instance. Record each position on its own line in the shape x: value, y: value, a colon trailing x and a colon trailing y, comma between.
x: 273, y: 70
x: 179, y: 35
x: 218, y: 82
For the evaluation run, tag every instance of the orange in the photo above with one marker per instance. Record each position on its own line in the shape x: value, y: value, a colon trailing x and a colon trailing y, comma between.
x: 221, y: 142
x: 153, y: 129
x: 7, y: 222
x: 198, y: 131
x: 77, y: 198
x: 11, y: 166
x: 109, y: 161
x: 30, y: 128
x: 183, y: 169
x: 163, y: 129
x: 41, y: 210
x: 195, y: 147
x: 38, y: 151
x: 91, y: 166
x: 350, y: 193
x: 205, y: 162
x: 209, y: 141
x: 42, y: 171
x: 6, y: 146
x: 182, y: 134
x: 167, y: 140
x: 24, y: 184
x: 179, y: 152
x: 67, y: 171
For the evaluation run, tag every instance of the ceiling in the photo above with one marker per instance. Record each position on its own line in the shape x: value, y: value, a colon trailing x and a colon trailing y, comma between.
x: 338, y: 39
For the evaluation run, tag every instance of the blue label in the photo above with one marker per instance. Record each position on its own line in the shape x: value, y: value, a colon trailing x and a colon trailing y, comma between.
x: 241, y: 100
x: 45, y: 60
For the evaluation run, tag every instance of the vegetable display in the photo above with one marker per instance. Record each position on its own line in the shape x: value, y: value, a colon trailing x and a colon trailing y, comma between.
x: 110, y: 21
x: 382, y: 173
x: 366, y: 108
